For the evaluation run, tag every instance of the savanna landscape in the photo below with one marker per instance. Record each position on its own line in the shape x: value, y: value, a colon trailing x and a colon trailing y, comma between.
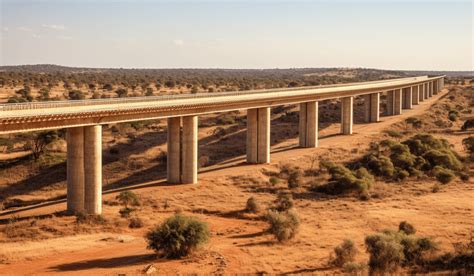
x: 396, y: 196
x: 265, y: 137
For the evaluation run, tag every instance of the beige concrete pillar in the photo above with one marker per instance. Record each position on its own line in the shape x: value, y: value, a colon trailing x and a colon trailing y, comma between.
x: 308, y: 125
x: 190, y: 150
x: 407, y: 98
x: 75, y: 169
x: 263, y: 150
x: 435, y: 87
x: 421, y: 93
x: 397, y: 102
x: 372, y: 107
x: 93, y: 169
x: 430, y: 89
x: 427, y: 94
x: 258, y: 135
x: 390, y: 102
x: 174, y: 150
x: 252, y: 134
x: 347, y: 115
x: 415, y: 95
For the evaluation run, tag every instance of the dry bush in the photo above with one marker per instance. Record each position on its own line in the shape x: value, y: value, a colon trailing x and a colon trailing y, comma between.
x: 178, y: 236
x: 283, y: 225
x: 135, y: 222
x: 344, y: 253
x: 252, y: 205
x: 406, y: 228
x: 284, y: 202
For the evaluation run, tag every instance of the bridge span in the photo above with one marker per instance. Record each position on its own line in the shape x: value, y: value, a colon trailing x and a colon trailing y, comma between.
x: 84, y: 119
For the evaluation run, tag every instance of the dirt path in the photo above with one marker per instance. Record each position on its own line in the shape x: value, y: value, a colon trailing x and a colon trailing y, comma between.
x: 238, y: 245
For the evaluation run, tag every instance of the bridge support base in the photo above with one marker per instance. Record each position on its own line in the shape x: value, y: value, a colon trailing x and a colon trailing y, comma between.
x: 347, y: 115
x: 407, y: 98
x: 308, y: 125
x: 372, y: 108
x: 415, y: 98
x: 258, y: 135
x: 84, y: 169
x: 394, y: 102
x: 190, y: 150
x: 421, y: 93
x: 174, y: 150
x: 75, y: 169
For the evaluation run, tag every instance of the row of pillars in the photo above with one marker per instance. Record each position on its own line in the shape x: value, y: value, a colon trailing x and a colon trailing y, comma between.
x: 84, y: 149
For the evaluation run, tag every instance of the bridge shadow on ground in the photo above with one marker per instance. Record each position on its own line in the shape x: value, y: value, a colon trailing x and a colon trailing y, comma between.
x: 106, y: 263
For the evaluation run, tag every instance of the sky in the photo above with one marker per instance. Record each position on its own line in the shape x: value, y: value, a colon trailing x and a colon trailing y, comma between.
x: 384, y: 34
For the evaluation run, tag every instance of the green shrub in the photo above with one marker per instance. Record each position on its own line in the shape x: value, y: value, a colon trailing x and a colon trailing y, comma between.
x: 394, y: 134
x: 344, y: 180
x: 344, y: 253
x: 135, y: 222
x: 178, y: 236
x: 283, y: 225
x: 83, y: 218
x: 443, y: 175
x: 468, y: 144
x: 126, y: 211
x: 443, y: 159
x: 415, y: 249
x: 284, y: 202
x: 406, y: 228
x: 252, y: 205
x: 295, y: 179
x: 386, y: 252
x: 380, y: 165
x: 128, y: 198
x: 453, y: 115
x: 274, y: 180
x: 415, y: 122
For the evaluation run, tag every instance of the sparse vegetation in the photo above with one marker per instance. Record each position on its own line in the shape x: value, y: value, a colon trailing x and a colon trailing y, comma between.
x: 283, y: 225
x: 344, y: 253
x: 252, y: 205
x: 178, y: 236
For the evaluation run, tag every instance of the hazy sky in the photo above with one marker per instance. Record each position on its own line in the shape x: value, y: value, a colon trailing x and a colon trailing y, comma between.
x: 432, y: 35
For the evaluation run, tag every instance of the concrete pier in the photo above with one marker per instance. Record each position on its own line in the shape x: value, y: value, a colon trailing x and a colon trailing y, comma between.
x: 372, y: 108
x: 421, y: 93
x: 190, y: 150
x: 174, y: 150
x: 93, y: 169
x: 397, y: 102
x: 427, y: 94
x: 75, y: 169
x: 308, y: 125
x: 407, y: 98
x: 347, y: 115
x: 430, y: 89
x: 258, y: 135
x: 415, y: 95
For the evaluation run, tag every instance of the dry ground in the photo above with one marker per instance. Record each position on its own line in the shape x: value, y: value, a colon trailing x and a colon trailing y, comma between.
x: 238, y: 242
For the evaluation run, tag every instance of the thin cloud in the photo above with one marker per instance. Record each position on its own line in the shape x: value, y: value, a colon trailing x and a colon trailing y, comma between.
x: 5, y: 29
x: 54, y: 27
x: 178, y: 42
x: 24, y: 29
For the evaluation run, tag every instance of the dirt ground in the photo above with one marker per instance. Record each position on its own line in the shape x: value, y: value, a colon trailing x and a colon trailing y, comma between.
x: 238, y: 242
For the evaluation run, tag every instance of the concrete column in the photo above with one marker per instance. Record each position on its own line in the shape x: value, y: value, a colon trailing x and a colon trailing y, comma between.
x: 258, y: 135
x: 372, y: 107
x: 435, y: 87
x: 390, y: 102
x: 174, y: 150
x: 430, y: 89
x: 75, y: 169
x: 252, y: 134
x: 415, y: 95
x: 93, y: 169
x: 421, y: 93
x: 427, y: 94
x: 407, y: 98
x: 397, y: 102
x: 347, y: 115
x: 263, y: 149
x: 308, y: 125
x: 190, y: 150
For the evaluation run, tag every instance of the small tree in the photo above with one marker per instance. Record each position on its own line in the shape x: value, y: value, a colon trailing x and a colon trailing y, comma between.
x: 76, y: 95
x: 128, y: 198
x: 41, y: 140
x: 121, y: 92
x: 178, y: 236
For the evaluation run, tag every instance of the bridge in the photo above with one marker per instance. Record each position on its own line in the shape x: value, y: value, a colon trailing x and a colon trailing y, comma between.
x: 84, y: 119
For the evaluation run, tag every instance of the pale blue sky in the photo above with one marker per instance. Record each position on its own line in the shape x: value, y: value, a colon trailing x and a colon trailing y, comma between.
x: 425, y: 35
